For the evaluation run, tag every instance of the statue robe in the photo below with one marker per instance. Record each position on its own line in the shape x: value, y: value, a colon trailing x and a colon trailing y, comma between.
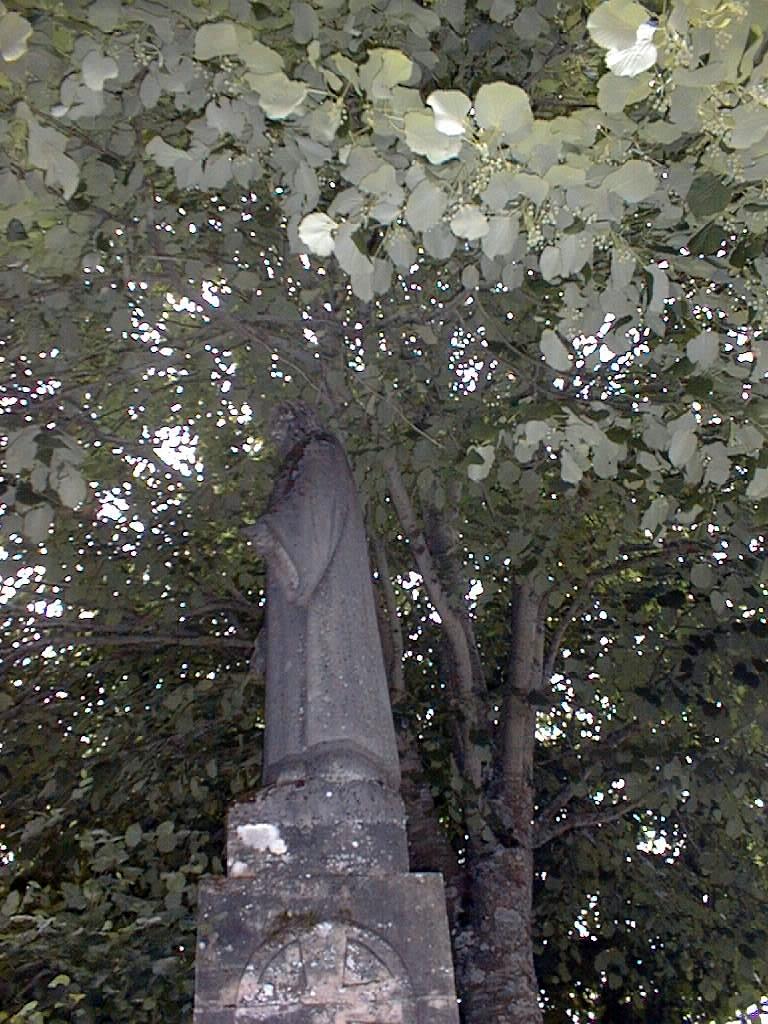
x: 327, y: 704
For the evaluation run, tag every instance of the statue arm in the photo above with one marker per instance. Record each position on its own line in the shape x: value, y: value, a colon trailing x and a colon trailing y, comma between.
x: 269, y: 547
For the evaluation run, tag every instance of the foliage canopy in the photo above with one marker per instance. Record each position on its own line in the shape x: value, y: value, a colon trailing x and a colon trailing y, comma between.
x: 518, y: 253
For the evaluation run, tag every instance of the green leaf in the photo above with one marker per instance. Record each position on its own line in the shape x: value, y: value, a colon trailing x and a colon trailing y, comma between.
x: 325, y: 120
x: 21, y: 450
x: 306, y: 24
x: 226, y: 117
x: 682, y: 445
x: 279, y: 96
x: 707, y: 196
x: 163, y: 154
x: 478, y: 471
x: 384, y: 70
x: 502, y: 10
x: 703, y: 349
x: 258, y: 57
x: 504, y: 108
x: 508, y: 474
x: 317, y: 231
x: 655, y: 514
x: 422, y: 137
x: 614, y: 93
x: 450, y: 109
x: 614, y: 24
x: 708, y: 240
x: 46, y: 151
x: 758, y: 485
x: 470, y: 278
x: 550, y: 263
x: 74, y: 896
x: 14, y: 33
x: 97, y: 69
x: 470, y: 223
x: 554, y: 351
x: 633, y: 181
x: 426, y: 206
x: 133, y: 835
x: 37, y: 523
x: 530, y: 25
x: 505, y: 187
x: 218, y: 39
x: 166, y: 838
x: 702, y: 576
x: 439, y: 241
x: 750, y: 125
x: 356, y: 263
x: 659, y: 288
x: 570, y: 471
x: 71, y: 486
x: 501, y: 236
x: 11, y: 903
x: 401, y: 249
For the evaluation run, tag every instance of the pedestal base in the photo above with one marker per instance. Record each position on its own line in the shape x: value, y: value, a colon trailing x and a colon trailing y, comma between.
x: 319, y: 921
x: 324, y: 950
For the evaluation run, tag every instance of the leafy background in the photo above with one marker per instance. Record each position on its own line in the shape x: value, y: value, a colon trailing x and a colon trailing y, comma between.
x: 529, y: 289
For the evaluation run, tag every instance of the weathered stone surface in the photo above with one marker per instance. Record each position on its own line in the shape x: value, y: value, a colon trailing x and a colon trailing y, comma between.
x: 319, y: 921
x: 329, y: 964
x: 318, y: 827
x: 327, y: 702
x: 349, y: 951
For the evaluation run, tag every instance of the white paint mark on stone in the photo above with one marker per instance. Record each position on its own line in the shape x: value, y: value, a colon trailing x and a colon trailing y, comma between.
x: 262, y: 837
x: 238, y: 869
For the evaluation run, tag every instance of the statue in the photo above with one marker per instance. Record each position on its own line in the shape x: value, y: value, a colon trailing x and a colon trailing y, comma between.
x: 327, y: 702
x: 319, y: 919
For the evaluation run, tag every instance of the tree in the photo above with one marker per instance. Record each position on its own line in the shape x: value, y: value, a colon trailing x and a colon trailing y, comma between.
x: 517, y: 254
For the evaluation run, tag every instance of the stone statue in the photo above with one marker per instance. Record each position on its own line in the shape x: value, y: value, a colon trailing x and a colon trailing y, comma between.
x: 327, y: 702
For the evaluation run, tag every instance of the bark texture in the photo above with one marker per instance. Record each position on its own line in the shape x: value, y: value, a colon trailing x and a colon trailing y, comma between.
x: 497, y: 980
x: 497, y: 977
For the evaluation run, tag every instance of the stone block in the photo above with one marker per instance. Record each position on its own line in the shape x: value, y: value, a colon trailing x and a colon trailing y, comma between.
x: 324, y: 949
x: 318, y: 827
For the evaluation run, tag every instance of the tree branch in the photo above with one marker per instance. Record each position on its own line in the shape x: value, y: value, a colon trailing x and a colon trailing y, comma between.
x: 559, y: 635
x: 426, y: 566
x: 450, y: 621
x: 560, y: 801
x: 592, y: 819
x: 642, y: 555
x: 518, y: 722
x: 13, y: 654
x: 397, y: 682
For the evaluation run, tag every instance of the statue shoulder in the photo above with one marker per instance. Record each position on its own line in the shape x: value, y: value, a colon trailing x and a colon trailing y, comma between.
x: 319, y: 450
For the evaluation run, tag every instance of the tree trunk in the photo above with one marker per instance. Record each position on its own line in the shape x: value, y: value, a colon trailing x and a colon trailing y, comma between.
x: 429, y: 847
x: 497, y: 978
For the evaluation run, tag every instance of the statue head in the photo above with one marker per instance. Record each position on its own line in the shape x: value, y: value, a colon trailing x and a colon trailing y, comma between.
x: 290, y: 423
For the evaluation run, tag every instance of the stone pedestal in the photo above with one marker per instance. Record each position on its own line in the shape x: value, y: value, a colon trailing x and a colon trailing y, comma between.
x: 319, y: 921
